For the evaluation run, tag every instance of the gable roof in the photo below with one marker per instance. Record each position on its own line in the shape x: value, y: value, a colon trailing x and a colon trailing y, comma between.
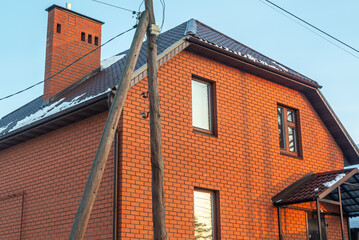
x: 90, y: 93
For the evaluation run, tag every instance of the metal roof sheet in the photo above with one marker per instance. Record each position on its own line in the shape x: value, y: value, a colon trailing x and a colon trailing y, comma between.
x: 323, y: 185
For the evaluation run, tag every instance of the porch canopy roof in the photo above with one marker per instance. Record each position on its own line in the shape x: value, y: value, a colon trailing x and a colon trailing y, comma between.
x: 324, y: 187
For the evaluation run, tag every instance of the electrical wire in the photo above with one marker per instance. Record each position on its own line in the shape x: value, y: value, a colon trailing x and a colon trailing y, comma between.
x: 299, y: 23
x: 163, y: 13
x: 163, y: 3
x: 139, y: 8
x: 34, y: 85
x: 111, y: 5
x: 316, y: 28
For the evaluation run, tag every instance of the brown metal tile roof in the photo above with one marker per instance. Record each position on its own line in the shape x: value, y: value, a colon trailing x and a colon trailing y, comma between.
x: 321, y: 185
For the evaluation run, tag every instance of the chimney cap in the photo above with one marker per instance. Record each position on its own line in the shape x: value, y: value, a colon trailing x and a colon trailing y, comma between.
x: 68, y: 6
x: 73, y: 12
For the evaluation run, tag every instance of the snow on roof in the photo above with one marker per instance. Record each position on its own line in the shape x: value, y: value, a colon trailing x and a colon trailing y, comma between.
x: 109, y: 61
x: 273, y: 64
x: 49, y: 110
x: 334, y: 181
x: 4, y: 128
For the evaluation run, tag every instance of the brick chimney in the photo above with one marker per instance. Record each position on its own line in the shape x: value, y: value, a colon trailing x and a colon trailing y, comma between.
x: 70, y: 35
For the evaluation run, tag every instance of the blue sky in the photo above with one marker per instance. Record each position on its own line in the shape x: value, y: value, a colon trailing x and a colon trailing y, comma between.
x: 23, y: 40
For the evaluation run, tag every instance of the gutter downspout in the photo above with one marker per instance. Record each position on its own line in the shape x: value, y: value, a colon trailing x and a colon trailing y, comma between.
x: 115, y: 188
x: 279, y: 223
x: 115, y: 174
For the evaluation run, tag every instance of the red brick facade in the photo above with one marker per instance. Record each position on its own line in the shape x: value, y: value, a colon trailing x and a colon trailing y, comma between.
x: 65, y: 47
x: 52, y: 171
x: 242, y: 162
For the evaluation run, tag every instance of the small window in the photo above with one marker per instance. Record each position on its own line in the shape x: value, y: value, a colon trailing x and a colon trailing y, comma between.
x: 96, y: 41
x: 288, y: 130
x: 205, y: 222
x: 202, y: 106
x: 58, y: 28
x: 89, y: 38
x: 83, y: 36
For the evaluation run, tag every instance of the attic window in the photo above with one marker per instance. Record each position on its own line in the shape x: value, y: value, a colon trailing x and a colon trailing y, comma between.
x: 96, y: 41
x: 58, y: 28
x: 89, y: 38
x: 83, y: 36
x: 288, y: 128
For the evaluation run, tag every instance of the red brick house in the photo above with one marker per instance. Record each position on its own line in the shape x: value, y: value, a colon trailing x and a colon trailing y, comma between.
x: 239, y: 133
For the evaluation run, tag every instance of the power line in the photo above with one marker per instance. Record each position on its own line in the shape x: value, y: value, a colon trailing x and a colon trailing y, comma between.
x: 139, y: 8
x: 311, y: 25
x: 316, y: 33
x: 111, y: 5
x: 34, y: 85
x: 163, y: 12
x: 163, y: 3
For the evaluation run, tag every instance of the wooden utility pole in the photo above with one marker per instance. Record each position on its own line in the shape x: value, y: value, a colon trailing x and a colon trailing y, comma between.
x: 88, y: 198
x: 158, y: 198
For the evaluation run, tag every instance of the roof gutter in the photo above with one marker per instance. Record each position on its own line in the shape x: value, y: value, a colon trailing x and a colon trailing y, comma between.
x: 248, y: 61
x: 68, y: 116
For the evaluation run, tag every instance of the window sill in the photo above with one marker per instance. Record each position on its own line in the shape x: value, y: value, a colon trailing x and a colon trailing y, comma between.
x: 203, y: 132
x: 297, y: 156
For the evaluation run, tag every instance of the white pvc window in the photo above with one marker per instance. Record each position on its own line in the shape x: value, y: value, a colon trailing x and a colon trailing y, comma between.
x: 204, y: 215
x: 201, y: 105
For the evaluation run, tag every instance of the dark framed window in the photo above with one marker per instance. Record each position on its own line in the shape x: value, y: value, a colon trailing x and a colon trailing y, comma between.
x: 205, y: 214
x: 83, y: 36
x: 89, y: 38
x: 96, y: 41
x: 203, y: 106
x: 288, y: 129
x: 58, y: 28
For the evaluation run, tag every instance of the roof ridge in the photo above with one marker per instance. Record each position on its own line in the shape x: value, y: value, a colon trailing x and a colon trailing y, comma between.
x: 191, y: 28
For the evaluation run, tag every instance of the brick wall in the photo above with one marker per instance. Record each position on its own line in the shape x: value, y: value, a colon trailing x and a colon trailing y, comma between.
x: 294, y: 221
x: 243, y: 162
x: 52, y: 171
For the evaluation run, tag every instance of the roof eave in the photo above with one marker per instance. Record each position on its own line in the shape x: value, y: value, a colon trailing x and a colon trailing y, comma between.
x: 333, y: 124
x: 66, y: 117
x: 257, y: 64
x: 277, y: 199
x: 283, y: 204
